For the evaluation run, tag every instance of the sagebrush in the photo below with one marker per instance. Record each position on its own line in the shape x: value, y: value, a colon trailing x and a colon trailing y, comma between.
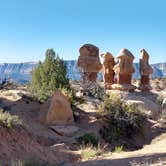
x: 88, y: 139
x: 88, y: 152
x: 120, y: 120
x: 71, y: 95
x: 8, y: 120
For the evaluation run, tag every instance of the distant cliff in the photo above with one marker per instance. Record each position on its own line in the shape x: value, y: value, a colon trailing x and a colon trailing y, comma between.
x: 20, y: 72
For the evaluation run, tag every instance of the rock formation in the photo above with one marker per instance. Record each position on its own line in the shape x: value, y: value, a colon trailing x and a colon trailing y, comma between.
x: 108, y: 72
x: 145, y: 70
x: 124, y: 70
x: 59, y: 111
x: 89, y: 62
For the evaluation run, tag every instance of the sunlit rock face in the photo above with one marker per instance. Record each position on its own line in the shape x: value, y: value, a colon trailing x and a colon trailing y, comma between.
x: 57, y: 110
x: 89, y: 61
x: 108, y: 72
x: 17, y: 72
x: 124, y: 70
x: 145, y: 70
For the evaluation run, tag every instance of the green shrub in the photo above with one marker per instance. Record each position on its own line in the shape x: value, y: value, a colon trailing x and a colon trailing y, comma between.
x: 118, y: 149
x: 92, y: 89
x: 8, y: 120
x: 72, y: 98
x: 121, y: 120
x: 88, y: 152
x: 48, y: 77
x: 88, y: 139
x: 8, y: 93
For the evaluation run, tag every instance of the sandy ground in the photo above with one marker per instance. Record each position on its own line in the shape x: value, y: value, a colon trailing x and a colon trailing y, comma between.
x: 29, y: 111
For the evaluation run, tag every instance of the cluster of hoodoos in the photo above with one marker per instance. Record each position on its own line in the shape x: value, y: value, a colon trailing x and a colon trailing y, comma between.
x: 118, y: 75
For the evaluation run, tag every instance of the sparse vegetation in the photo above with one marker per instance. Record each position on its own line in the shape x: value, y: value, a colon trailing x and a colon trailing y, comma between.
x: 48, y: 76
x: 164, y: 81
x: 159, y: 100
x: 72, y: 98
x: 88, y: 152
x: 7, y: 84
x: 118, y: 149
x: 88, y: 139
x: 92, y: 89
x: 8, y: 93
x: 121, y: 121
x: 163, y: 115
x: 8, y: 120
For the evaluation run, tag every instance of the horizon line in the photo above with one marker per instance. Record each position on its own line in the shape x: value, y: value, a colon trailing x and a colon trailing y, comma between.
x: 35, y: 62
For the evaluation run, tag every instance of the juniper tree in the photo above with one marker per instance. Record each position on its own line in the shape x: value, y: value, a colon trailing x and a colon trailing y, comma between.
x: 48, y: 76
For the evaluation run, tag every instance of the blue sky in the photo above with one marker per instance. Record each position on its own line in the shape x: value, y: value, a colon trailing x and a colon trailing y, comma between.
x: 29, y: 27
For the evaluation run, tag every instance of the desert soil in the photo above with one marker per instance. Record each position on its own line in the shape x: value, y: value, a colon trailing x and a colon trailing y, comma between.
x: 46, y: 145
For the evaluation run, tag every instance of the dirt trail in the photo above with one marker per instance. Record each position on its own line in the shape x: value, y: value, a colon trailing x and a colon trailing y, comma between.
x: 151, y: 155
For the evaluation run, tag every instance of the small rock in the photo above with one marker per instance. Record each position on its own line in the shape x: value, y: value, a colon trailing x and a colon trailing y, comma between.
x: 79, y: 94
x: 45, y: 141
x: 60, y: 146
x: 64, y: 130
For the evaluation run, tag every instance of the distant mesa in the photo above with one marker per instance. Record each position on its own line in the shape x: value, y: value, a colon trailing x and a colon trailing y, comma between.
x: 20, y: 72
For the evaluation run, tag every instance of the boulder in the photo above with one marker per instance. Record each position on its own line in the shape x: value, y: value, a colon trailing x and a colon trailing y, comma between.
x: 149, y: 107
x: 65, y: 130
x: 57, y: 110
x: 145, y: 101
